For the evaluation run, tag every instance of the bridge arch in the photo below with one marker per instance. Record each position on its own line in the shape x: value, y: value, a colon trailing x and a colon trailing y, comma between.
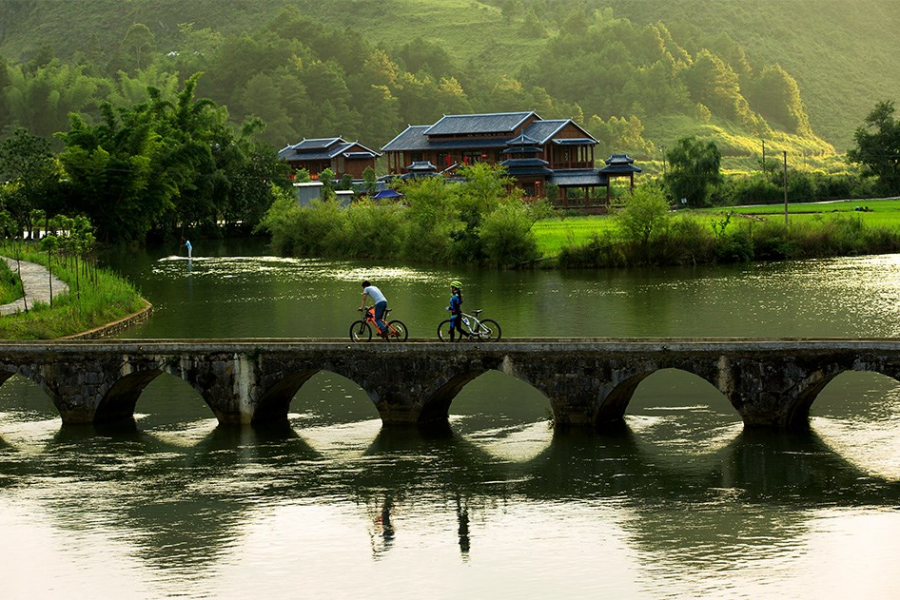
x: 811, y: 387
x: 119, y: 402
x: 21, y: 395
x: 856, y: 416
x: 32, y: 373
x: 275, y: 402
x: 436, y: 407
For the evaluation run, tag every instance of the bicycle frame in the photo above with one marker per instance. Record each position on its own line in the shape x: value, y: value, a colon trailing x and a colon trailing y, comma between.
x: 370, y: 317
x: 471, y: 327
x: 395, y: 330
x: 473, y: 324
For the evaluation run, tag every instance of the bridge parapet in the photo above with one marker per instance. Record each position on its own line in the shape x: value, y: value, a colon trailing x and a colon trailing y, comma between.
x: 588, y: 382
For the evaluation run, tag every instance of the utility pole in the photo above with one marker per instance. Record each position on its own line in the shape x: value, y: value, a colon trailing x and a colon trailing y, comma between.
x: 785, y: 189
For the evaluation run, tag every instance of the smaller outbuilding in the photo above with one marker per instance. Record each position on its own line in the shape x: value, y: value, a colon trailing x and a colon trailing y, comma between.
x: 337, y: 154
x: 387, y: 194
x: 619, y: 165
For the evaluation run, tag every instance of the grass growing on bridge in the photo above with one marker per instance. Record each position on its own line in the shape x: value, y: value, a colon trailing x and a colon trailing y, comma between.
x: 87, y: 305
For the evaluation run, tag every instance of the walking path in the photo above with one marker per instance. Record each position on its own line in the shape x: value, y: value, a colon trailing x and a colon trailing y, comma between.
x: 36, y: 284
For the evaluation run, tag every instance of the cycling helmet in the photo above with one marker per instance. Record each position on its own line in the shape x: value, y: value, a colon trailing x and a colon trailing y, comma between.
x: 456, y: 283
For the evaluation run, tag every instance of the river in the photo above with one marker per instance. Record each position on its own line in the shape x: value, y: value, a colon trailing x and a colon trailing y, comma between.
x: 682, y: 503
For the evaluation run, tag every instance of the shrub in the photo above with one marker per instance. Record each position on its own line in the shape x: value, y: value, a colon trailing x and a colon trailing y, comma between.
x: 369, y: 230
x: 507, y: 236
x: 599, y: 251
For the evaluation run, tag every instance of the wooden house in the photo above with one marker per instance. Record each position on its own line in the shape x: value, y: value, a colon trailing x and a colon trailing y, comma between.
x: 340, y: 156
x: 536, y: 152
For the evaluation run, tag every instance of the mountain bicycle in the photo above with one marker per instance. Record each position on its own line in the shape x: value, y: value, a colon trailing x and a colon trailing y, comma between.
x: 361, y: 331
x: 477, y: 329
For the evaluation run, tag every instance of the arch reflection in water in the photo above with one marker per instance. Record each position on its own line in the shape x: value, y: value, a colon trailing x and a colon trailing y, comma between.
x: 507, y: 417
x: 858, y: 416
x: 28, y: 417
x: 334, y: 415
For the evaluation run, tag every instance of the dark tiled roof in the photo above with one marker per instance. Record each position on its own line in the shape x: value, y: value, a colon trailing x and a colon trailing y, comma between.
x: 620, y: 163
x: 522, y: 150
x: 578, y: 178
x: 422, y: 166
x: 525, y: 162
x: 544, y: 130
x: 619, y: 159
x: 522, y: 140
x: 324, y: 149
x: 538, y: 133
x: 411, y: 138
x: 317, y: 144
x: 532, y: 171
x: 575, y: 142
x: 475, y: 124
x: 327, y: 155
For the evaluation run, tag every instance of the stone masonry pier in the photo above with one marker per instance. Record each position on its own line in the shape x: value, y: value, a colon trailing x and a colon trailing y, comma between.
x: 589, y: 382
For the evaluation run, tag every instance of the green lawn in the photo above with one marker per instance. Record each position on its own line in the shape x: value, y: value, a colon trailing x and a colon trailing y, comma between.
x: 554, y: 234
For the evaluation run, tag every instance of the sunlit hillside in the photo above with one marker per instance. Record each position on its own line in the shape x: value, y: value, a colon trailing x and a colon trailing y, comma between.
x: 801, y: 74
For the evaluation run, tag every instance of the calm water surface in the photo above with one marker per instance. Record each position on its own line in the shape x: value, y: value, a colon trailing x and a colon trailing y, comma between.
x: 683, y: 503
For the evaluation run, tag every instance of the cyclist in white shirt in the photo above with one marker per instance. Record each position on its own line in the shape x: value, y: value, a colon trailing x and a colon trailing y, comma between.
x: 380, y: 302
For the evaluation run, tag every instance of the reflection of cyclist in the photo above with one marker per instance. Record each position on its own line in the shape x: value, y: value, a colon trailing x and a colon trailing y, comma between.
x: 380, y: 301
x: 455, y: 309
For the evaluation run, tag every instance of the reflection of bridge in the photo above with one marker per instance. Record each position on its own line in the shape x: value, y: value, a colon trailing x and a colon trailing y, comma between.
x: 160, y: 496
x: 588, y: 381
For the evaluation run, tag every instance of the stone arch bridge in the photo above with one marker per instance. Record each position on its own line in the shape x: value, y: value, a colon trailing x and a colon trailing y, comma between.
x: 589, y: 382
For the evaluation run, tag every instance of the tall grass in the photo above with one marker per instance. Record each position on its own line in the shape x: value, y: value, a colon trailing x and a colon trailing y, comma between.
x: 91, y: 302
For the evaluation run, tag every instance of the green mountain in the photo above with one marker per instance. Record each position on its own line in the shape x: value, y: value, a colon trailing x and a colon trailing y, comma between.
x: 801, y: 74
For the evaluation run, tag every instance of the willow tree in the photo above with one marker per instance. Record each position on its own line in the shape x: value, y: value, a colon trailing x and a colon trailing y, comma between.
x: 694, y: 171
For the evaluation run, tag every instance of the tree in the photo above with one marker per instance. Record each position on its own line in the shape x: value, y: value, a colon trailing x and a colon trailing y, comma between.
x: 369, y: 180
x: 326, y: 178
x: 28, y: 164
x: 114, y: 174
x: 694, y: 170
x: 878, y: 147
x: 645, y: 214
x: 137, y: 47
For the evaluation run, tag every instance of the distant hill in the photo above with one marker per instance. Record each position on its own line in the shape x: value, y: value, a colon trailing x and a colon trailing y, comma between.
x: 840, y: 55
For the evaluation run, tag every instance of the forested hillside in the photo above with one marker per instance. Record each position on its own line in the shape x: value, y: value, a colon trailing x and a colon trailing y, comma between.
x: 639, y: 75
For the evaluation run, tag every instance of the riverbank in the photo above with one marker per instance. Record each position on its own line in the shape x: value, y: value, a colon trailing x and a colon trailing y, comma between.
x: 510, y: 234
x: 82, y: 305
x: 554, y: 235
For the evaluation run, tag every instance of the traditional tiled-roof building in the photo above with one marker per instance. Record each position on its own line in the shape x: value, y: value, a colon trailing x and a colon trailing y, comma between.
x: 340, y: 156
x: 536, y: 152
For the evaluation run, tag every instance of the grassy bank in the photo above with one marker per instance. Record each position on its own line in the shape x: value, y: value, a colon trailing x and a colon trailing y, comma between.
x: 10, y: 286
x: 94, y: 299
x: 727, y: 235
x: 555, y: 234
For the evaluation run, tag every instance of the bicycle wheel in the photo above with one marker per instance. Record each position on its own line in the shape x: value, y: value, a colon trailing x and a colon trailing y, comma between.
x: 360, y: 332
x: 444, y: 331
x: 397, y: 331
x: 489, y: 330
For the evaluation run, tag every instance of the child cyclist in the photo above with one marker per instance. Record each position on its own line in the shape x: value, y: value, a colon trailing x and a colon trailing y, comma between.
x: 455, y: 309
